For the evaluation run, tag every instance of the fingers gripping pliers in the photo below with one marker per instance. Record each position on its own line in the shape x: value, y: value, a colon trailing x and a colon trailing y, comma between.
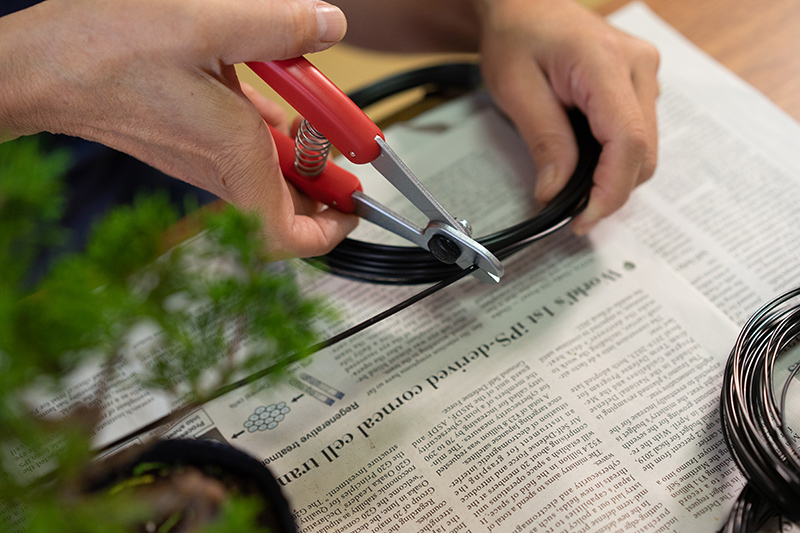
x: 330, y: 117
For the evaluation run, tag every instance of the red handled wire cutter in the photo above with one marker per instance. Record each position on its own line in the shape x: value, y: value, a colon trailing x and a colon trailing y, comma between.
x: 332, y: 118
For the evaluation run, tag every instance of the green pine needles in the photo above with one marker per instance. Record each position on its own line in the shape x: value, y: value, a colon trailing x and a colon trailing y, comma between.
x: 199, y: 315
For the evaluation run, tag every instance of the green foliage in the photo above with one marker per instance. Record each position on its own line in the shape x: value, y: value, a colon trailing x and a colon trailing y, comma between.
x: 238, y: 516
x: 213, y: 309
x: 234, y: 316
x: 100, y: 513
x: 30, y: 203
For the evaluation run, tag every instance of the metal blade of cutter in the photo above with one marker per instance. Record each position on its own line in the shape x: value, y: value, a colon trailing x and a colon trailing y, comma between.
x: 445, y: 237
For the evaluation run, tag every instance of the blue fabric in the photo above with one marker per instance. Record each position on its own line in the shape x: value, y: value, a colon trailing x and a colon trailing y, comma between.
x: 99, y: 180
x: 10, y: 6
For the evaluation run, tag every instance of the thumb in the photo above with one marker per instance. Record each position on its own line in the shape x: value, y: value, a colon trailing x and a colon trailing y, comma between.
x: 278, y: 29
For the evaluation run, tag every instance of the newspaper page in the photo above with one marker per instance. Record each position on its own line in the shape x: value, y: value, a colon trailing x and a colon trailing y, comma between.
x: 722, y: 207
x: 581, y: 394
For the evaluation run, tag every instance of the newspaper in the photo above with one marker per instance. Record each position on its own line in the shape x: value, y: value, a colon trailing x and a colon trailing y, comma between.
x: 580, y: 394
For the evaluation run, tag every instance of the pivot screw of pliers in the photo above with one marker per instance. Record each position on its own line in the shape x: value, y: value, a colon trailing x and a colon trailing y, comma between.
x: 444, y: 249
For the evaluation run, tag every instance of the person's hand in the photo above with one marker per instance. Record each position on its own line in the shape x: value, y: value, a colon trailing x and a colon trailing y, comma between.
x: 540, y: 56
x: 154, y: 79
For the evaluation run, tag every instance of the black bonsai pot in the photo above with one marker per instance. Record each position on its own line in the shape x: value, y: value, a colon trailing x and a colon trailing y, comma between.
x: 186, y: 481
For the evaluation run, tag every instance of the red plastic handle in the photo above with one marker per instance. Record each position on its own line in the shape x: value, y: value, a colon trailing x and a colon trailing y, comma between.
x: 333, y: 187
x: 324, y: 105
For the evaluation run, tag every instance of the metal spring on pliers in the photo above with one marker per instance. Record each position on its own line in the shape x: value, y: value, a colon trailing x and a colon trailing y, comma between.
x: 311, y: 150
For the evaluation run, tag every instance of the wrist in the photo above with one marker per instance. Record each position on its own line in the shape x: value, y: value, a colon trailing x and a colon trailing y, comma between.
x: 505, y: 15
x: 413, y: 25
x: 22, y: 86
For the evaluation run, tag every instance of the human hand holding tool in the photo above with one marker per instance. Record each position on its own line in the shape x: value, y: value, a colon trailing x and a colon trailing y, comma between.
x: 330, y: 115
x: 540, y: 59
x: 156, y: 80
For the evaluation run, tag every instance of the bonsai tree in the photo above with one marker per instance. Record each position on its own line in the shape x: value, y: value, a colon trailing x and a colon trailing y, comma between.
x: 212, y: 310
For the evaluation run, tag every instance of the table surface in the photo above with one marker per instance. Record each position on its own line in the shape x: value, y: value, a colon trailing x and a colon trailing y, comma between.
x: 759, y: 40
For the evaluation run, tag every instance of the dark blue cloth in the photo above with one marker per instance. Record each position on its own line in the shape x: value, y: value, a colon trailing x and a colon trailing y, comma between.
x: 10, y: 6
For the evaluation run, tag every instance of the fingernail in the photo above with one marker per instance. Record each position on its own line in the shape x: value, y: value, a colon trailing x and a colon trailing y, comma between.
x: 331, y: 23
x: 581, y: 228
x: 545, y: 182
x: 584, y: 222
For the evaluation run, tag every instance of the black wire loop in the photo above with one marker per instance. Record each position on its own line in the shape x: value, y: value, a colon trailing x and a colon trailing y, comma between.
x: 411, y: 265
x: 381, y: 263
x: 754, y: 422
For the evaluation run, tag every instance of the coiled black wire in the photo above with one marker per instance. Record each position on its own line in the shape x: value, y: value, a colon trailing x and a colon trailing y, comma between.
x: 380, y: 263
x: 754, y: 423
